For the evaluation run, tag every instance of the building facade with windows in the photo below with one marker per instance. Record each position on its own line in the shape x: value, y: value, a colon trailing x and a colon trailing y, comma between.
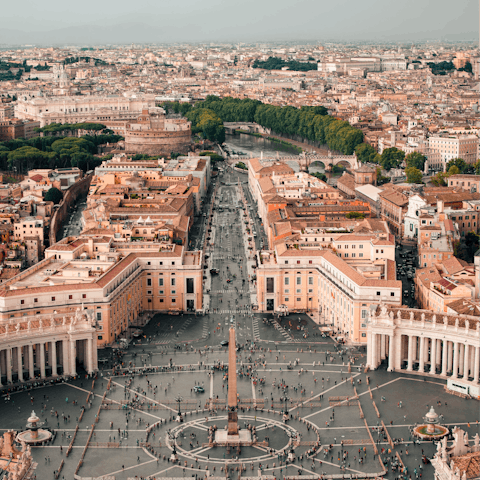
x: 318, y: 280
x: 116, y: 280
x: 443, y: 148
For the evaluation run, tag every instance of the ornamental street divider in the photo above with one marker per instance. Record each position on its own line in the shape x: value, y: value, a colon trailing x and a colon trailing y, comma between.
x: 388, y: 434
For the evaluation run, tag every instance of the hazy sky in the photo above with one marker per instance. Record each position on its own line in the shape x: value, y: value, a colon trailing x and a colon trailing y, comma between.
x: 125, y: 21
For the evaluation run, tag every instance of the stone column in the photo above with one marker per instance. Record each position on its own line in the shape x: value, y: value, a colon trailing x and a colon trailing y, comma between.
x: 383, y: 339
x: 391, y: 362
x: 89, y: 355
x: 53, y: 358
x: 373, y: 357
x: 444, y: 357
x: 476, y: 373
x: 65, y: 365
x: 9, y: 365
x: 422, y: 341
x: 433, y: 357
x: 439, y: 352
x: 450, y: 357
x: 461, y: 356
x: 31, y: 365
x: 94, y: 354
x: 466, y: 362
x: 73, y: 357
x: 410, y: 353
x: 42, y: 360
x: 455, y: 360
x: 20, y: 364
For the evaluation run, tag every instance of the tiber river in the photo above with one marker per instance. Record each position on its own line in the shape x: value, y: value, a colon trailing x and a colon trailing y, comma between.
x: 242, y: 144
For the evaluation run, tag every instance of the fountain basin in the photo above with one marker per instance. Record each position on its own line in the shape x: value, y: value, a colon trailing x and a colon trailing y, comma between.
x: 426, y: 432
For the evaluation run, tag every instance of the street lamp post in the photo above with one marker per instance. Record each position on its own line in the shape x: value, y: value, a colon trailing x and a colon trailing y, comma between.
x: 179, y: 400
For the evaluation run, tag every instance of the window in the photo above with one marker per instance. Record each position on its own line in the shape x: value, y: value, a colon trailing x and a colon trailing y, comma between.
x: 70, y: 297
x: 270, y: 285
x: 287, y: 281
x: 346, y: 255
x: 35, y: 300
x: 174, y: 300
x: 149, y: 292
x: 161, y: 300
x: 310, y: 262
x: 360, y: 255
x: 364, y: 325
x: 190, y: 285
x: 160, y: 282
x: 53, y: 299
x: 299, y: 299
x: 99, y: 316
x: 286, y: 262
x: 310, y: 280
x: 84, y: 295
x: 353, y: 255
x: 298, y: 262
x: 299, y: 280
x: 173, y: 292
x: 299, y: 290
x: 172, y: 282
x: 360, y: 246
x: 22, y: 302
x: 364, y: 335
x: 392, y: 294
x: 160, y: 292
x: 287, y: 299
x: 149, y: 282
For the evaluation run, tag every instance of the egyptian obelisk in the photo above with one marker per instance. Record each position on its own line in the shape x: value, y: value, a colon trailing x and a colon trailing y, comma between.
x: 232, y: 385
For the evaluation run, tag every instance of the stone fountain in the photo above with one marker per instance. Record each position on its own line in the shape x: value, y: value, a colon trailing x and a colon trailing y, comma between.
x: 34, y: 434
x: 431, y: 429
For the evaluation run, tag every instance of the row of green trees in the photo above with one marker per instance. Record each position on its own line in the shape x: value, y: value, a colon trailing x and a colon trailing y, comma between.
x: 92, y: 128
x: 311, y: 123
x: 276, y: 63
x: 52, y: 152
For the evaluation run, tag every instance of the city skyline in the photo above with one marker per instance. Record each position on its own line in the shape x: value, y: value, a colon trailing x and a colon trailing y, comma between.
x: 119, y: 23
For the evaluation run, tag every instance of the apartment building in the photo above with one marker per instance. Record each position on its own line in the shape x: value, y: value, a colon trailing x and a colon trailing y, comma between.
x: 117, y: 281
x: 443, y: 148
x: 319, y: 280
x: 466, y: 182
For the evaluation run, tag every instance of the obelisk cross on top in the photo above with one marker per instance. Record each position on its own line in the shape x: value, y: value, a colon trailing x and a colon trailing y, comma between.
x: 232, y: 385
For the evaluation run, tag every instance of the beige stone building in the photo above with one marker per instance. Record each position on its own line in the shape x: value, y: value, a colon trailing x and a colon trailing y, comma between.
x: 318, y: 280
x: 81, y: 108
x: 117, y: 281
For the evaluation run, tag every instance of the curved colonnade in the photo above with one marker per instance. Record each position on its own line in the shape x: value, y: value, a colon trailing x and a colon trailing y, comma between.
x: 423, y: 342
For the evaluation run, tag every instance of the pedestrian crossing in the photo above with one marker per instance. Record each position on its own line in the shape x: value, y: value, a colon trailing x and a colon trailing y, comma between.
x: 283, y: 331
x: 205, y: 328
x: 233, y: 311
x: 229, y: 291
x: 256, y: 329
x: 184, y: 326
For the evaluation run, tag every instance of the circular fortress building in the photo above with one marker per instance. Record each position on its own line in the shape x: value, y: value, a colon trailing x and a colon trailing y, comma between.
x: 154, y: 133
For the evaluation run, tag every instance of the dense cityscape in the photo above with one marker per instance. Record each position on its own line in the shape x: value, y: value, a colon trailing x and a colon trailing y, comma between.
x: 291, y: 230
